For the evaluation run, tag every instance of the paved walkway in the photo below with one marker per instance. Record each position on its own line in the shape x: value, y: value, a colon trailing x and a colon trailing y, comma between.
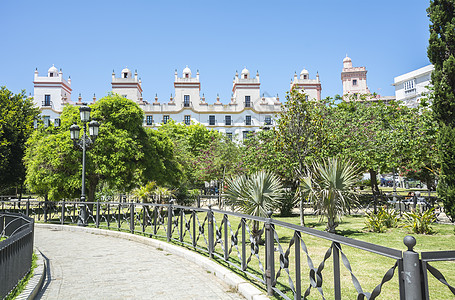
x: 87, y: 266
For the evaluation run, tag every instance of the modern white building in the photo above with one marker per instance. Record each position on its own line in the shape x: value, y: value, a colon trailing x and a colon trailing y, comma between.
x: 412, y: 86
x: 246, y: 112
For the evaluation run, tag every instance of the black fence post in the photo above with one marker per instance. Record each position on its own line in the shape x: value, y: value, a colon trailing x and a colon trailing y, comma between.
x: 298, y: 278
x: 98, y: 214
x: 63, y: 213
x: 27, y: 208
x: 210, y: 230
x: 243, y: 222
x: 45, y: 209
x: 120, y: 213
x: 144, y: 216
x: 411, y: 271
x: 156, y: 211
x: 108, y: 215
x: 226, y: 238
x: 169, y: 222
x: 194, y: 227
x: 269, y: 255
x: 132, y: 217
x: 336, y: 270
x: 182, y: 228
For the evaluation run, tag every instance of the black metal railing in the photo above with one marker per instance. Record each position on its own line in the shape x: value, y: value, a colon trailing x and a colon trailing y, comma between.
x: 16, y: 249
x: 288, y: 260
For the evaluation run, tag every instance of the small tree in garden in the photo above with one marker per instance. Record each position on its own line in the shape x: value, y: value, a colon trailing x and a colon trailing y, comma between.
x: 300, y: 133
x: 254, y: 195
x: 329, y: 185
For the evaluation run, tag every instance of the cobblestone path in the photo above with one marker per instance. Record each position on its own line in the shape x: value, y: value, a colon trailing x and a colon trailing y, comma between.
x: 88, y: 266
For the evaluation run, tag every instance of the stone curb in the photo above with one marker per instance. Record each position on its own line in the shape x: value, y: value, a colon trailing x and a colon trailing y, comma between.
x: 242, y: 286
x: 35, y: 283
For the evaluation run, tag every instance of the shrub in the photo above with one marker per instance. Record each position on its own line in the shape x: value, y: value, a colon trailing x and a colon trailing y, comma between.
x: 374, y: 223
x: 382, y: 220
x: 420, y: 222
x: 287, y: 203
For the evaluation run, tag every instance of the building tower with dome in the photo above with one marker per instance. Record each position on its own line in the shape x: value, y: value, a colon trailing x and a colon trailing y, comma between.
x: 51, y: 92
x: 127, y: 86
x: 354, y: 80
x: 311, y: 87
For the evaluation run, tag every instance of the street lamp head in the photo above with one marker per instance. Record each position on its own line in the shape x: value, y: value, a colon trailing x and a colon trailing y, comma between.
x: 85, y: 113
x: 93, y: 128
x: 74, y: 130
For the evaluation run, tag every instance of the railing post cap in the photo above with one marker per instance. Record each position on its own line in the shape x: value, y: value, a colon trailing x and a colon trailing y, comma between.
x: 269, y: 214
x: 410, y: 242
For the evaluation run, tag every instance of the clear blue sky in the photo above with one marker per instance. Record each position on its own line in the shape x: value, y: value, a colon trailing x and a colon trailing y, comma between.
x: 88, y: 39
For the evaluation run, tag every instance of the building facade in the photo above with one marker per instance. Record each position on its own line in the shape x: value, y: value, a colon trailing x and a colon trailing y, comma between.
x: 51, y: 92
x: 412, y: 86
x: 246, y: 112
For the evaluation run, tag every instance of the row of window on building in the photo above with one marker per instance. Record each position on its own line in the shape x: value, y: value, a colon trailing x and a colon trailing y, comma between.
x: 186, y: 101
x: 211, y: 121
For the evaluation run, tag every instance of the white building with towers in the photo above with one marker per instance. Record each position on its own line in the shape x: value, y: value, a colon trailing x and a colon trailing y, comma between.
x: 245, y: 112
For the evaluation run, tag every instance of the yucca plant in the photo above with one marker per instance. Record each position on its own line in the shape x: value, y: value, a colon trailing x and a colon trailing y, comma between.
x: 254, y: 195
x: 375, y: 223
x: 420, y: 222
x: 380, y: 221
x: 330, y: 187
x: 144, y: 192
x: 163, y: 193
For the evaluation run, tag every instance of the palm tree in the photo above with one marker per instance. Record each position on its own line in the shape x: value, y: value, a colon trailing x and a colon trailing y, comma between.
x: 163, y: 193
x: 329, y: 185
x: 145, y: 191
x: 254, y: 195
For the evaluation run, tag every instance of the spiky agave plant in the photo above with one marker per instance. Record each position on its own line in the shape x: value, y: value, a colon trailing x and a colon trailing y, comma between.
x: 254, y: 195
x: 330, y: 187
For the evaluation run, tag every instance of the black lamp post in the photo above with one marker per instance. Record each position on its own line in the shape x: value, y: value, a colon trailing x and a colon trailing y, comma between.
x: 84, y: 142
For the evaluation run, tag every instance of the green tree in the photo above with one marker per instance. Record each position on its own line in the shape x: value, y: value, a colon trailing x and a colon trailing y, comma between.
x: 441, y: 52
x: 329, y: 185
x: 260, y: 151
x: 380, y: 137
x: 300, y: 133
x: 203, y: 154
x: 16, y: 125
x: 123, y: 156
x: 53, y: 165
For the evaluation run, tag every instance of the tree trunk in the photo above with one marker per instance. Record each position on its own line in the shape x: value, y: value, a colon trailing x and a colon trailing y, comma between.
x: 302, y: 213
x: 374, y: 187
